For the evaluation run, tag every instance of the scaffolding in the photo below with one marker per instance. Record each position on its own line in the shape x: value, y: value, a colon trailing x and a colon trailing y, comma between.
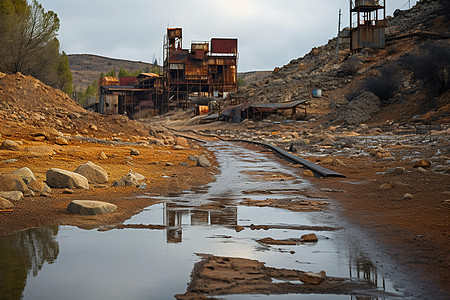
x: 206, y: 69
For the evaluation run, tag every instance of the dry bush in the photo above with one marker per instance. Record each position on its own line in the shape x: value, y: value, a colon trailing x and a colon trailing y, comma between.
x: 432, y: 67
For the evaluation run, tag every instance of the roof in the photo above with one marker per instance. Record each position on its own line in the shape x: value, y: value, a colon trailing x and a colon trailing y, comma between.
x: 112, y: 88
x: 149, y: 74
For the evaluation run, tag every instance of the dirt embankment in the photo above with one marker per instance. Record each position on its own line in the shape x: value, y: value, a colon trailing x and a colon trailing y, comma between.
x: 52, y: 131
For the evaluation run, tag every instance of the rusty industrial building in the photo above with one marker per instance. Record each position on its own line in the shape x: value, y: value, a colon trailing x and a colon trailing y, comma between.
x: 367, y: 24
x: 207, y: 69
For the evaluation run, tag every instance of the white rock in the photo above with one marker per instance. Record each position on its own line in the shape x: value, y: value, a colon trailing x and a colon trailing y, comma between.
x: 26, y: 175
x: 88, y: 207
x: 93, y: 173
x: 59, y: 178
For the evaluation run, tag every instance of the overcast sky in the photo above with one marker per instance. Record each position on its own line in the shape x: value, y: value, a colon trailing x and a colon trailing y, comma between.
x: 270, y: 32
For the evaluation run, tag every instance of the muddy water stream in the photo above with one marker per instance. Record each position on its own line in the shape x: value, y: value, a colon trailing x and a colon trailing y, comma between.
x: 71, y: 263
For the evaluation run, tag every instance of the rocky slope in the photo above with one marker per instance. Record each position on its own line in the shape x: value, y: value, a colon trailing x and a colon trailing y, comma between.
x: 427, y: 22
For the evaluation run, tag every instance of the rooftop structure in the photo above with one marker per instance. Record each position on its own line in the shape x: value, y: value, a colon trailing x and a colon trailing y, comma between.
x: 368, y: 28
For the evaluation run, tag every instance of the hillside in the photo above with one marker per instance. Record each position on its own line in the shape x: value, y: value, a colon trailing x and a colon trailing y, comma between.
x: 253, y: 76
x: 424, y: 27
x: 86, y: 68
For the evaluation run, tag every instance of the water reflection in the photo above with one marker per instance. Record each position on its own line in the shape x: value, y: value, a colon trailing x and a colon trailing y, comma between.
x: 175, y: 216
x: 24, y: 254
x: 156, y: 264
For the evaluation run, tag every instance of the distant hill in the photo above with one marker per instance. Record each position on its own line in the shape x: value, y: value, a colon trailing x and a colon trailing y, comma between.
x: 86, y: 68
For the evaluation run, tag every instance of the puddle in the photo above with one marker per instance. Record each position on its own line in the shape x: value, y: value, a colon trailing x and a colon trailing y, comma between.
x: 134, y: 263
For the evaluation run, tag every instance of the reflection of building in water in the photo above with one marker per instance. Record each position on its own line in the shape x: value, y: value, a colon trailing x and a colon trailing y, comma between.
x: 366, y: 270
x: 23, y: 254
x: 199, y: 217
x: 174, y: 216
x: 225, y: 216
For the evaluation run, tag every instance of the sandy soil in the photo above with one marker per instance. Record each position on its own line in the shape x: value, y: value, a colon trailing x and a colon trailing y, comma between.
x: 160, y: 165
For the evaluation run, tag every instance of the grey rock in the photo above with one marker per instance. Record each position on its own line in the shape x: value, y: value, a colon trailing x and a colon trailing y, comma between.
x: 11, y: 182
x: 9, y: 145
x: 297, y: 146
x: 134, y: 152
x: 5, y: 204
x: 395, y: 171
x: 361, y: 109
x: 127, y: 180
x: 26, y: 175
x: 12, y: 196
x: 88, y: 207
x: 138, y: 176
x: 184, y: 164
x: 203, y: 161
x: 59, y: 178
x: 93, y: 173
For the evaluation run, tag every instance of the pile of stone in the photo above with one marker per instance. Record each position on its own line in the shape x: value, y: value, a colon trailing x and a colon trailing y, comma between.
x: 17, y: 185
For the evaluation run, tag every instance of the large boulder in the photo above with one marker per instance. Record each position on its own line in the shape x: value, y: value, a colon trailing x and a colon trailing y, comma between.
x: 11, y: 182
x: 88, y: 207
x: 9, y: 145
x: 93, y: 172
x: 361, y: 109
x: 59, y: 178
x: 26, y: 175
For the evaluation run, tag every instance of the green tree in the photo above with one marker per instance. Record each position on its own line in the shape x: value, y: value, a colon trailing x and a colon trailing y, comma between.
x: 64, y: 76
x: 29, y: 44
x: 111, y: 73
x: 123, y: 73
x: 241, y: 82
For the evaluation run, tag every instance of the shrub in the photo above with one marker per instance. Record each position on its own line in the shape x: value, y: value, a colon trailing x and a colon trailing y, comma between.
x: 432, y: 67
x: 383, y: 86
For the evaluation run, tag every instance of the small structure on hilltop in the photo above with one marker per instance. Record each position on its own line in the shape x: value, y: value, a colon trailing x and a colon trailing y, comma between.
x: 368, y: 30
